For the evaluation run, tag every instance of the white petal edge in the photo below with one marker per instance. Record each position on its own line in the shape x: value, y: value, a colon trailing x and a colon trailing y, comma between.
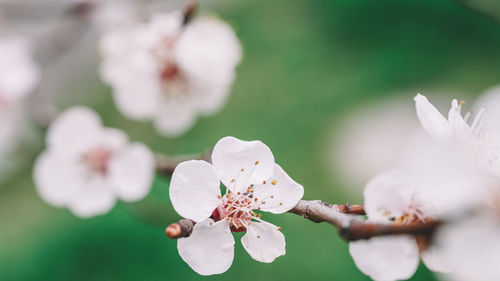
x: 431, y: 119
x: 131, y: 172
x: 55, y: 178
x: 263, y: 241
x: 195, y: 190
x: 209, y: 249
x: 434, y: 260
x: 94, y: 198
x: 242, y: 163
x: 279, y: 193
x: 386, y: 258
x: 74, y: 130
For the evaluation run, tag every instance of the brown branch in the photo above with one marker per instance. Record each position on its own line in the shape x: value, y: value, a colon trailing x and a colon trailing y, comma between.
x: 343, y: 217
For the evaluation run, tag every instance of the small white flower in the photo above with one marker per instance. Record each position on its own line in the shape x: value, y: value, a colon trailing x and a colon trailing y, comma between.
x: 392, y: 198
x: 87, y: 167
x: 253, y: 182
x: 169, y: 72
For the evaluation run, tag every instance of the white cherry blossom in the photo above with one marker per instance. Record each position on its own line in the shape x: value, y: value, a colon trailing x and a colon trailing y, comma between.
x: 253, y: 183
x: 393, y: 198
x: 170, y: 72
x: 87, y: 167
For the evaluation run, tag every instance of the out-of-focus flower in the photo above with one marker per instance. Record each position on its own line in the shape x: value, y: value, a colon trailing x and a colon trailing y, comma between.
x: 87, y: 167
x: 472, y: 247
x: 253, y: 182
x: 19, y: 75
x: 170, y: 72
x: 393, y: 198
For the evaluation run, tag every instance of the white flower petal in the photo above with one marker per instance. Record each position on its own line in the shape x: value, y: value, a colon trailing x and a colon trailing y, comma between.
x: 175, y: 117
x: 195, y: 190
x: 136, y: 88
x: 434, y: 259
x: 431, y: 119
x: 263, y: 241
x: 242, y: 163
x: 209, y: 249
x: 456, y: 120
x: 96, y: 198
x: 75, y: 129
x: 56, y: 178
x: 112, y: 138
x: 386, y: 258
x: 278, y: 194
x: 208, y: 46
x: 388, y: 195
x: 167, y: 24
x: 131, y: 172
x: 210, y: 97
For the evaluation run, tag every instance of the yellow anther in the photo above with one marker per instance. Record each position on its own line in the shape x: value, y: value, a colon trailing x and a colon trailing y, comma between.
x: 274, y: 182
x: 256, y: 162
x: 233, y: 180
x: 281, y: 203
x: 263, y: 202
x: 279, y: 228
x: 462, y: 102
x: 218, y: 196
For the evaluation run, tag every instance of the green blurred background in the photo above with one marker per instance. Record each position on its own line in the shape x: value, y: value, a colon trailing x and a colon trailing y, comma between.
x: 307, y: 65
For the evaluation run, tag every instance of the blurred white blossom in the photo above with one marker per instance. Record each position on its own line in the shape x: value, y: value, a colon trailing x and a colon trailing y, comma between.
x: 393, y: 198
x: 456, y: 131
x: 19, y: 75
x: 87, y: 167
x: 472, y: 247
x: 169, y: 72
x: 253, y: 182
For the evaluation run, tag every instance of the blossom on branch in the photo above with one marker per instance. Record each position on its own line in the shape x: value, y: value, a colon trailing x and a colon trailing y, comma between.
x: 87, y: 167
x: 253, y: 183
x: 393, y: 198
x: 169, y: 71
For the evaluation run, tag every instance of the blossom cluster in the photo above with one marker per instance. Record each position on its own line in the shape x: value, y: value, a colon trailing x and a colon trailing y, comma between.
x: 452, y: 169
x: 170, y: 67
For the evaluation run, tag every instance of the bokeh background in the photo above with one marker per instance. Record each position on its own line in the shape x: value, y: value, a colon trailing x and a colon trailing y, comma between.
x: 309, y: 69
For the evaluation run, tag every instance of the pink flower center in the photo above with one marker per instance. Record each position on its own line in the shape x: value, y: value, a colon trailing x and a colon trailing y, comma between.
x: 173, y: 81
x: 97, y: 160
x: 237, y: 209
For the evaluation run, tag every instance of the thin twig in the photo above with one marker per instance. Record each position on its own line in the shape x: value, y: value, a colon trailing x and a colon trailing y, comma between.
x: 350, y: 226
